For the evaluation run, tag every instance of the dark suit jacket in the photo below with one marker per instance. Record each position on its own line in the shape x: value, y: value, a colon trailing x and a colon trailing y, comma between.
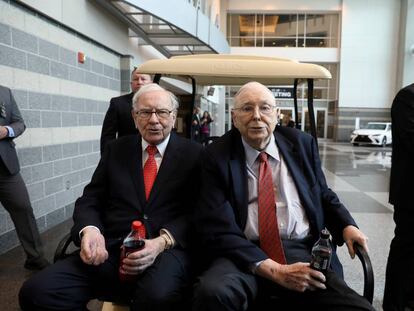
x: 402, y: 169
x: 224, y: 195
x: 118, y: 121
x: 115, y: 196
x: 13, y: 118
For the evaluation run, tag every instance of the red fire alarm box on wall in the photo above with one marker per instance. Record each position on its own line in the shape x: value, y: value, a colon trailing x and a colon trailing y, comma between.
x: 81, y: 57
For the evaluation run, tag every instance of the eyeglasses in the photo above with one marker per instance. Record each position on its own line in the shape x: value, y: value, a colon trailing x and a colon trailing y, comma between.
x: 147, y: 113
x: 249, y: 109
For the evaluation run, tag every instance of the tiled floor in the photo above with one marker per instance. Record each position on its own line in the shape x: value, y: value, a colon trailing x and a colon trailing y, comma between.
x: 359, y: 175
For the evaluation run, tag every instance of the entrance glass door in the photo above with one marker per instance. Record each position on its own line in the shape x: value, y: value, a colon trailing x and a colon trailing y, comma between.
x: 320, y: 119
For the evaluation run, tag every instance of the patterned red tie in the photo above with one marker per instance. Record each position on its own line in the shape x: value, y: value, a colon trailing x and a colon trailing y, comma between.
x: 150, y: 170
x: 269, y: 236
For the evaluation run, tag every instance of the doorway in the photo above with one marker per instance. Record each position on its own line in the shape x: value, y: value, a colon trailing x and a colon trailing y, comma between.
x: 321, y: 121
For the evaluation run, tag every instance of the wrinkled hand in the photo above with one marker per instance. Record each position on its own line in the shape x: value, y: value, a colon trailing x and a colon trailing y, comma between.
x: 351, y: 235
x: 298, y: 276
x: 137, y: 262
x: 93, y: 250
x: 3, y: 132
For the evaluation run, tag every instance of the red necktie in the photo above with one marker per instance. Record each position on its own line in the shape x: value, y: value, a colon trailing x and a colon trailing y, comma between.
x: 269, y: 236
x: 150, y: 170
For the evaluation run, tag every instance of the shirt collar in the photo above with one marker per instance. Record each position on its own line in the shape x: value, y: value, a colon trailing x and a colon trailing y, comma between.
x: 160, y: 147
x: 252, y: 154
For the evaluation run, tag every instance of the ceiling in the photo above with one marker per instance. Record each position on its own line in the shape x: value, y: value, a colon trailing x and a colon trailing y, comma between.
x: 163, y: 35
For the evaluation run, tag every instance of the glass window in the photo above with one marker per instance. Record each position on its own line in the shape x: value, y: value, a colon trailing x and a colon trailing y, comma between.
x: 283, y: 30
x: 280, y: 25
x: 280, y: 42
x: 246, y: 25
x: 324, y: 27
x: 247, y: 41
x: 316, y: 42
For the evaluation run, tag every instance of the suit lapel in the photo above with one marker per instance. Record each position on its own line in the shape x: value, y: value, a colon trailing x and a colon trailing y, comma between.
x: 237, y: 166
x: 294, y: 162
x: 136, y: 173
x: 168, y: 165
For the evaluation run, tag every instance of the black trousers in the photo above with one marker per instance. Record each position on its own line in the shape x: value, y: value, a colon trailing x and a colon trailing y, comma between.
x: 399, y: 278
x: 225, y: 287
x: 15, y: 199
x: 70, y: 284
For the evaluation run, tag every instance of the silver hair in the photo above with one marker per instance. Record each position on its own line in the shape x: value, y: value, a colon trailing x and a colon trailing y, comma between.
x: 153, y: 87
x: 249, y: 85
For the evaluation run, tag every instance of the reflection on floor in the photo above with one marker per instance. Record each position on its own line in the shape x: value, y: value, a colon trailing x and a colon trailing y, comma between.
x: 360, y: 176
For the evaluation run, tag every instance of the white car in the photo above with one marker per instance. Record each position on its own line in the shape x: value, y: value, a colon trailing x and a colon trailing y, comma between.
x: 376, y: 133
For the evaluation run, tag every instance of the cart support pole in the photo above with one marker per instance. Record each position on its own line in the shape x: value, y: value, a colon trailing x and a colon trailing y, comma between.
x: 311, y: 110
x: 295, y: 102
x: 193, y: 96
x: 157, y: 78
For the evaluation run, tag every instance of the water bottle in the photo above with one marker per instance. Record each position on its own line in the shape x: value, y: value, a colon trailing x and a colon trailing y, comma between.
x: 322, y: 252
x: 133, y: 242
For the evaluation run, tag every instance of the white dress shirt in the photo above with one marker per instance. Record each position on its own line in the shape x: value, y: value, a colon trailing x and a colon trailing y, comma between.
x: 159, y: 155
x: 292, y: 220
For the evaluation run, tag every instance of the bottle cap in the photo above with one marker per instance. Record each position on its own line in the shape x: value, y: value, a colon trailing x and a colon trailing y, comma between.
x: 136, y: 225
x: 325, y: 234
x: 140, y: 228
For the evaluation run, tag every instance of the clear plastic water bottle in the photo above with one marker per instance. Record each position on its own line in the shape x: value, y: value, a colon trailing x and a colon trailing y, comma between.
x: 322, y: 252
x: 133, y: 242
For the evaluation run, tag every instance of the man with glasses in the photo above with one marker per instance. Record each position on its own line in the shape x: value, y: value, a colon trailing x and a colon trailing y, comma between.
x: 118, y: 121
x: 263, y: 202
x: 147, y: 177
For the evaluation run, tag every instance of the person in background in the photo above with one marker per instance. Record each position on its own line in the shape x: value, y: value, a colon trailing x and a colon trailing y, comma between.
x: 205, y: 126
x: 137, y: 178
x: 263, y: 202
x: 291, y: 123
x: 13, y: 192
x: 399, y: 281
x: 118, y: 121
x: 195, y: 125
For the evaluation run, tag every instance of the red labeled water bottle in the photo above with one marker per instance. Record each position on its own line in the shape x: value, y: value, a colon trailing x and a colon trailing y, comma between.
x: 322, y: 252
x: 132, y: 243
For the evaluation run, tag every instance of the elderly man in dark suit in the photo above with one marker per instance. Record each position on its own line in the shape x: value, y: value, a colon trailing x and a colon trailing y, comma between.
x: 263, y: 202
x: 122, y: 191
x: 13, y: 192
x: 118, y: 121
x: 399, y: 283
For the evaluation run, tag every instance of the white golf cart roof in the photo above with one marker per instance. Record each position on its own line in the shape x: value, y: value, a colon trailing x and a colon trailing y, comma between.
x: 222, y: 69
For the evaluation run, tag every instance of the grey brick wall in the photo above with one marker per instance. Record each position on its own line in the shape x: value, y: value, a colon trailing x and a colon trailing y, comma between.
x: 55, y: 175
x: 19, y: 49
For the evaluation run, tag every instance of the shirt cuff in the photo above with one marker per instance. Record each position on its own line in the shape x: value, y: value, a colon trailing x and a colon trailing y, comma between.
x: 80, y: 232
x: 253, y: 267
x: 10, y: 130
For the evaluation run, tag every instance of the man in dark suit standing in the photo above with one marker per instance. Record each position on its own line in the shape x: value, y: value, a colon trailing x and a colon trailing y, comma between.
x: 196, y: 124
x: 119, y: 193
x: 399, y: 282
x: 263, y: 202
x: 118, y: 121
x: 13, y: 192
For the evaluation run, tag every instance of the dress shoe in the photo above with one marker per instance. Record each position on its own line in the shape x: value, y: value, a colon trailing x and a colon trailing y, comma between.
x: 36, y: 264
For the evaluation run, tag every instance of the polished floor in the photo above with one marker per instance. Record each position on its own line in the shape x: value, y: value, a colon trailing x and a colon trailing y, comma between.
x: 359, y: 175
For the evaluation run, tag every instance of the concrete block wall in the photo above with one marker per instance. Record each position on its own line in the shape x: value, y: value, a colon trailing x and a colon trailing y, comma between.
x: 63, y: 103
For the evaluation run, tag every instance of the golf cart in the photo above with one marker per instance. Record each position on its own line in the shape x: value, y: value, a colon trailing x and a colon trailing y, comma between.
x: 212, y: 69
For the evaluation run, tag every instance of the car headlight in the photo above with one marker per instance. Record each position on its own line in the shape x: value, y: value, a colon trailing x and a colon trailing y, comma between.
x: 376, y: 135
